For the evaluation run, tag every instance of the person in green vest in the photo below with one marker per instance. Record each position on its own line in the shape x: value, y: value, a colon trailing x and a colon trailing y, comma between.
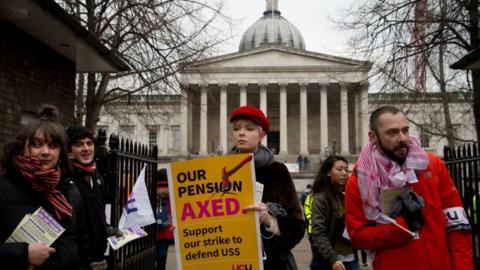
x: 308, y: 213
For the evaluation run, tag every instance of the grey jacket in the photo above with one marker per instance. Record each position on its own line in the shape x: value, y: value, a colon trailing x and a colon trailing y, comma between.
x: 327, y: 227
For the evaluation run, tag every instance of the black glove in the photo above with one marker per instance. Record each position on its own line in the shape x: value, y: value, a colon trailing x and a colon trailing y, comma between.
x: 276, y: 210
x: 112, y: 231
x: 409, y: 206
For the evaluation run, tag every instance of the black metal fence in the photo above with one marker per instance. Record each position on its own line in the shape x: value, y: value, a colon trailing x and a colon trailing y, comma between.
x: 120, y: 164
x: 463, y: 163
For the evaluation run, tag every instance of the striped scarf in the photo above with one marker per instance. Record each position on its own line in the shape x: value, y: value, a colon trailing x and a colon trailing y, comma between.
x: 45, y: 181
x: 376, y: 172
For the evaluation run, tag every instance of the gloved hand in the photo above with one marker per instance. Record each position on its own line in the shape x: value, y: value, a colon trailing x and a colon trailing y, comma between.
x: 409, y: 206
x: 101, y: 265
x: 112, y: 231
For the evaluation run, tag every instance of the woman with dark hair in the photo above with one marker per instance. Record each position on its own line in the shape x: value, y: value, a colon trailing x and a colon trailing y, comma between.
x: 36, y: 163
x: 330, y: 248
x: 282, y: 222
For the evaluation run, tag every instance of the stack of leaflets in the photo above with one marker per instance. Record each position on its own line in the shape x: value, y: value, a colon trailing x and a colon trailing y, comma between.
x: 129, y: 234
x: 39, y: 227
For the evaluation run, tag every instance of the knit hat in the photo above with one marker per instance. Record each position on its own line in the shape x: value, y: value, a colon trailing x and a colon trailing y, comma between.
x: 251, y: 113
x: 75, y: 133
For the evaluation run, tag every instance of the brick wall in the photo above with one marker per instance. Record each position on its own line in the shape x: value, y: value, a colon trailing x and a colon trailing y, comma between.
x: 31, y: 73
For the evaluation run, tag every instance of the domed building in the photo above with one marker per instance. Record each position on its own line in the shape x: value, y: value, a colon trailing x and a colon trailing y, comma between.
x: 271, y: 29
x: 316, y: 102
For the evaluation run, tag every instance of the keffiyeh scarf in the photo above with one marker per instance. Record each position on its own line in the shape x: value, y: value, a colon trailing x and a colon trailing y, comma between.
x: 376, y: 172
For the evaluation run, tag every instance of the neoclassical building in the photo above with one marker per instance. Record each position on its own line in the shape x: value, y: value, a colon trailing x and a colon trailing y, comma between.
x: 314, y: 101
x: 317, y: 103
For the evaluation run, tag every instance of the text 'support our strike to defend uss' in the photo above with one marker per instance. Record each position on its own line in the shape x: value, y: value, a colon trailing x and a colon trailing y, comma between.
x: 212, y: 230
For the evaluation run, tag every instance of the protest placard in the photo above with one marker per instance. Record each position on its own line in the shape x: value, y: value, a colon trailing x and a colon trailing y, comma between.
x: 212, y: 230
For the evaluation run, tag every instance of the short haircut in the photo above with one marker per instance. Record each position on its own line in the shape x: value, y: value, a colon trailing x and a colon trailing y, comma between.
x: 379, y: 111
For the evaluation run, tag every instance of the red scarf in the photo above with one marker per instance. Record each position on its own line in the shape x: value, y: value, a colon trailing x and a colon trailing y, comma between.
x: 45, y: 181
x: 87, y: 168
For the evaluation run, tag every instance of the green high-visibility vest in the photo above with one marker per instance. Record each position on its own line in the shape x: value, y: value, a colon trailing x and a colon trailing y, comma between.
x: 308, y: 212
x: 472, y: 210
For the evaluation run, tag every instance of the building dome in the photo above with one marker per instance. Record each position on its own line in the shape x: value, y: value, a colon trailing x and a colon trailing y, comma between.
x: 271, y: 29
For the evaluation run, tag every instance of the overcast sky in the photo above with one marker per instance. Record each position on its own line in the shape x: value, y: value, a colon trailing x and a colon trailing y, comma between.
x: 311, y: 17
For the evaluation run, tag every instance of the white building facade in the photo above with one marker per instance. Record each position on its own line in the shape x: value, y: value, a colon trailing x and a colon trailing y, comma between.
x: 317, y: 103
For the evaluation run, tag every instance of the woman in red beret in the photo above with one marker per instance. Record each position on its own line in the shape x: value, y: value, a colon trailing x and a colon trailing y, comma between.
x: 282, y: 221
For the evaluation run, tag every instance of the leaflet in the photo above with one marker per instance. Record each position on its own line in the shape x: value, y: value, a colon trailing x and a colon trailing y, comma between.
x: 388, y: 196
x: 38, y: 227
x: 129, y: 234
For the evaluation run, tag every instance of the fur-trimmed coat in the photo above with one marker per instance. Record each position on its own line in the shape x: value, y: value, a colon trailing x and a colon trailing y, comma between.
x: 279, y: 188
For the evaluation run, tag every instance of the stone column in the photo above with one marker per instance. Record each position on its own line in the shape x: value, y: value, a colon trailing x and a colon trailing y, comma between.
x: 344, y: 119
x: 263, y: 105
x: 223, y: 117
x: 243, y: 94
x: 184, y: 124
x: 358, y: 129
x: 323, y: 118
x: 283, y: 120
x: 203, y: 120
x: 364, y: 113
x: 303, y: 120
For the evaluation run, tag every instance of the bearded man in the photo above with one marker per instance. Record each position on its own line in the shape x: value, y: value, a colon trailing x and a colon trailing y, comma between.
x: 425, y: 226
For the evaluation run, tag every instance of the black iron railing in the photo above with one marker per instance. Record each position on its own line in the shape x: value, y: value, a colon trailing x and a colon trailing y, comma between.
x: 463, y: 163
x: 120, y: 164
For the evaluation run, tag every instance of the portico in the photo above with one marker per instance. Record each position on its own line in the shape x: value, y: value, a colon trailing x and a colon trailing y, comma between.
x: 314, y: 101
x: 317, y: 103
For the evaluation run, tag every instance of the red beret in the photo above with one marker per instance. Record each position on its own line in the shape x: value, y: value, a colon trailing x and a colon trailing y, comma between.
x: 251, y: 113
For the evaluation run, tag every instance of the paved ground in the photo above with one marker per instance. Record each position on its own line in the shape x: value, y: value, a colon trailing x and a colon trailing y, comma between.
x: 301, y: 252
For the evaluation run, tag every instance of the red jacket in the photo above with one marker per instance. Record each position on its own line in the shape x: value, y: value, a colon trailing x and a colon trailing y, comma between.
x: 394, y: 248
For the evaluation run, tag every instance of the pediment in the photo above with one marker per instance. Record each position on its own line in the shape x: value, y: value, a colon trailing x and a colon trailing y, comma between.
x: 277, y: 57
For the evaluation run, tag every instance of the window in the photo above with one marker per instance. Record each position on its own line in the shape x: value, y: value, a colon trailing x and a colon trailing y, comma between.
x: 152, y: 138
x: 425, y: 136
x: 176, y: 138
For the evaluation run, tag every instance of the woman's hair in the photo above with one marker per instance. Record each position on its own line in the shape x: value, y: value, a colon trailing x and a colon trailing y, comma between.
x: 47, y: 122
x: 322, y: 181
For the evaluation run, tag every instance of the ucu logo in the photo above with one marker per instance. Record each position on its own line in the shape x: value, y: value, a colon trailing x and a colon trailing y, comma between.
x: 242, y: 267
x: 130, y: 206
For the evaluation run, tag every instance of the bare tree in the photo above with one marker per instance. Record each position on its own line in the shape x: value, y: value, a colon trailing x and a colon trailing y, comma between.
x: 411, y: 42
x: 155, y: 37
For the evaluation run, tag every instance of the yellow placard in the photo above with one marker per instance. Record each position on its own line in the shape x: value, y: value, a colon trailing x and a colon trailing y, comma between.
x: 212, y: 231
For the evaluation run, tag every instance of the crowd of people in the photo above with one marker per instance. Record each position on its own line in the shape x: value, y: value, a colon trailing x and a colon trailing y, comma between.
x: 343, y: 211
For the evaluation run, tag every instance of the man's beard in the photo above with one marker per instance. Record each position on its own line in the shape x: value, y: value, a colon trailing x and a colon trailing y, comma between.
x: 391, y: 153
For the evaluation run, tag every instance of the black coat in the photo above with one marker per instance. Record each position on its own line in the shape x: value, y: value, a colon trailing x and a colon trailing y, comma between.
x: 18, y: 199
x: 92, y: 234
x: 279, y: 188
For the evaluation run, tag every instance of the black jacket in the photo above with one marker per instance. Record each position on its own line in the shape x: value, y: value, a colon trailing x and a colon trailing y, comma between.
x: 92, y: 234
x: 279, y: 188
x: 18, y: 199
